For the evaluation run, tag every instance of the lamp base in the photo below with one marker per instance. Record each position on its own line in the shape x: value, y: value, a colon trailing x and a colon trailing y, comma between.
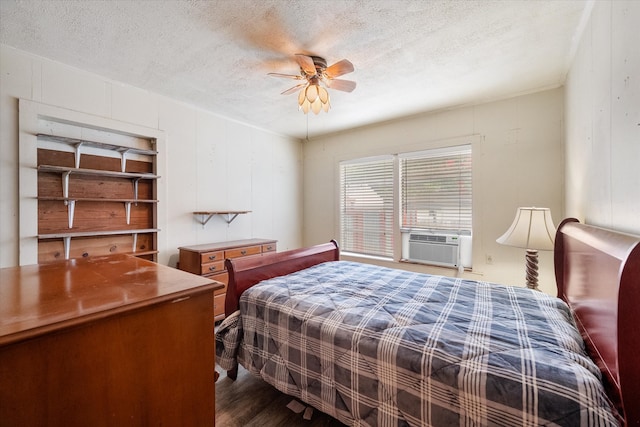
x: 532, y: 268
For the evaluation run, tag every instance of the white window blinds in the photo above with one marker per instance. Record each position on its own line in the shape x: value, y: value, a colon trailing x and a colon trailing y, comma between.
x: 366, y: 206
x: 436, y: 189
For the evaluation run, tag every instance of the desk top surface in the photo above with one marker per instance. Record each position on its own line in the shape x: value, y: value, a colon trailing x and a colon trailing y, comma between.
x: 37, y: 299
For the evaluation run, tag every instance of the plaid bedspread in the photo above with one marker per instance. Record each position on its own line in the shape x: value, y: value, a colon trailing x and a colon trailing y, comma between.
x: 373, y: 346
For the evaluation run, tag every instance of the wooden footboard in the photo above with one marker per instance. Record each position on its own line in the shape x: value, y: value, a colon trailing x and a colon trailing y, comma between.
x: 598, y: 275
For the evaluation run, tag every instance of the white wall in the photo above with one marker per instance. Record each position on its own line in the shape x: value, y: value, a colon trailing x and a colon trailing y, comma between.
x: 518, y: 162
x: 212, y: 163
x: 603, y: 120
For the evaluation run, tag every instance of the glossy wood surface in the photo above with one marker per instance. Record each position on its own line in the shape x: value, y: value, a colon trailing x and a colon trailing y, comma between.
x: 208, y: 260
x: 246, y: 272
x: 598, y: 274
x: 40, y: 298
x: 216, y: 246
x: 111, y: 341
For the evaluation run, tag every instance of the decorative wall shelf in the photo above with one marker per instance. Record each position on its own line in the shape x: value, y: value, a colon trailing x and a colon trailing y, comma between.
x: 205, y: 216
x: 66, y: 237
x: 66, y: 172
x: 70, y: 202
x: 78, y: 144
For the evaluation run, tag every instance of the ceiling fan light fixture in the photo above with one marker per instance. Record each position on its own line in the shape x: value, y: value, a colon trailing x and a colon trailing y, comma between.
x: 316, y: 106
x: 302, y: 97
x: 312, y: 93
x: 326, y: 104
x: 323, y: 95
x: 314, y: 69
x: 313, y: 98
x: 305, y: 106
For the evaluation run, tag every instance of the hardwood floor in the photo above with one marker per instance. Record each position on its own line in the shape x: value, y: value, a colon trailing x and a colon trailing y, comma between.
x: 251, y: 402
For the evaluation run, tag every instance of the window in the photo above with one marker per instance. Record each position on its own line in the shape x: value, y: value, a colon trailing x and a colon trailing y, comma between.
x: 435, y: 194
x: 436, y: 189
x: 366, y: 206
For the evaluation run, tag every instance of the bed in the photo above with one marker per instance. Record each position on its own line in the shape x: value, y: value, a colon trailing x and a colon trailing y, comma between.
x: 373, y: 346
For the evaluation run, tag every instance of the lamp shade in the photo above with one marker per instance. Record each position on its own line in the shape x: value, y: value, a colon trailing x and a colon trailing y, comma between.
x: 532, y: 228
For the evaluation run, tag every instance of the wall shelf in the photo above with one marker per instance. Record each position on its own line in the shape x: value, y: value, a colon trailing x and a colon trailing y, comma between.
x: 67, y: 172
x: 66, y: 237
x: 70, y: 202
x: 78, y: 144
x: 204, y: 216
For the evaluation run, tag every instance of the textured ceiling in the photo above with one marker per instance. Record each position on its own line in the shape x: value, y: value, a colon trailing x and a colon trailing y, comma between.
x: 410, y: 56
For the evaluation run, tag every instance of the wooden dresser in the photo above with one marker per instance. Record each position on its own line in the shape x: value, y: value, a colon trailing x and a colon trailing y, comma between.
x: 208, y: 260
x: 102, y: 341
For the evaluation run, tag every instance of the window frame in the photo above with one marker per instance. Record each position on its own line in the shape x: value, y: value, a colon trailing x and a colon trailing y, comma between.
x: 347, y: 242
x: 474, y: 141
x: 450, y: 151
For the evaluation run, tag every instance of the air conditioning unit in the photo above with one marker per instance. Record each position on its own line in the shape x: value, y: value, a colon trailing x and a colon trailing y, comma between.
x: 431, y: 248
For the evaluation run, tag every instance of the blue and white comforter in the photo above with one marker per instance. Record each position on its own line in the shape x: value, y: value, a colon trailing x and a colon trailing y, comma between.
x: 373, y: 346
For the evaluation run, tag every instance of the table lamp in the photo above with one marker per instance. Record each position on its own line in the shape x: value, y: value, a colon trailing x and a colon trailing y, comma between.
x: 533, y: 230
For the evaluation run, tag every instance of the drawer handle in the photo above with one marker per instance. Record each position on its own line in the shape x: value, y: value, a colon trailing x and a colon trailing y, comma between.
x: 243, y: 252
x: 212, y: 268
x: 269, y: 248
x: 212, y: 257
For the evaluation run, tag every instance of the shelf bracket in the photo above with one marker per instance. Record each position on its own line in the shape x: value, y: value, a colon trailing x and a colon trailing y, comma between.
x: 127, y: 208
x: 205, y: 221
x: 230, y: 218
x: 135, y: 242
x: 67, y: 246
x: 78, y: 153
x: 123, y: 159
x: 71, y: 208
x: 135, y: 188
x: 65, y: 184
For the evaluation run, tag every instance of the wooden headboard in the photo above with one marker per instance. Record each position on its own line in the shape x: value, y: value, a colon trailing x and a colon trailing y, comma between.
x: 247, y: 271
x: 598, y: 275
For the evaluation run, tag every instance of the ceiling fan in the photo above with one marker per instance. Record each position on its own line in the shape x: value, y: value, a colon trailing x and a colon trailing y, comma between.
x: 314, y: 72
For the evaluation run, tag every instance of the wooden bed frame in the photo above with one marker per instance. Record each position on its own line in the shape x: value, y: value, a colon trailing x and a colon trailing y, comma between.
x: 597, y: 274
x: 247, y: 271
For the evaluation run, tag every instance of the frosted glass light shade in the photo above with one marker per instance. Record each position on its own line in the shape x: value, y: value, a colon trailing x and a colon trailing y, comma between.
x: 532, y: 228
x: 314, y: 98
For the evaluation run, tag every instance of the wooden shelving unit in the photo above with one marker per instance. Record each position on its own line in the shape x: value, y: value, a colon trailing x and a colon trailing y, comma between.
x: 88, y: 184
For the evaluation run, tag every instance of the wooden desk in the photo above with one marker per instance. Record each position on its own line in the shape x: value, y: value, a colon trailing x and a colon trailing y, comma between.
x: 106, y: 341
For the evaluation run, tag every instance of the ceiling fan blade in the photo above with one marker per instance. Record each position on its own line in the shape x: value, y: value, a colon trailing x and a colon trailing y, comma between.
x: 286, y: 76
x: 339, y: 68
x: 306, y: 63
x: 343, y: 85
x: 293, y: 89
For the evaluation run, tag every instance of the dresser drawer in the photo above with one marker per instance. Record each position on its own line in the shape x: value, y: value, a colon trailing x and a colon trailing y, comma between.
x: 208, y: 257
x: 271, y: 247
x: 246, y: 251
x: 212, y: 267
x: 222, y: 277
x: 221, y: 291
x: 218, y: 306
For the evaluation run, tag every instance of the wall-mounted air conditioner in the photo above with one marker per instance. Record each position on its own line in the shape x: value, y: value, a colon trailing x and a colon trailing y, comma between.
x: 443, y: 249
